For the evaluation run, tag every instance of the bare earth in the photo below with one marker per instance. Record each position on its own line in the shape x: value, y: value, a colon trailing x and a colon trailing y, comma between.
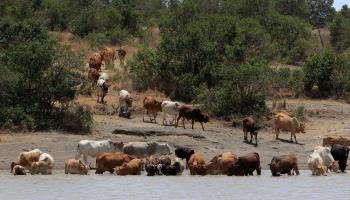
x: 324, y: 117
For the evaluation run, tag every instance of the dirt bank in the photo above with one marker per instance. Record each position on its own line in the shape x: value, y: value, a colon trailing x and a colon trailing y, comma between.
x: 323, y: 118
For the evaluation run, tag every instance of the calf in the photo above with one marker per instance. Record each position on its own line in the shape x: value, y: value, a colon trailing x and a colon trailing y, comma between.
x: 101, y: 90
x: 44, y: 165
x: 250, y: 126
x: 108, y: 161
x: 152, y: 107
x: 171, y: 108
x: 173, y: 170
x: 184, y: 153
x: 73, y: 166
x: 246, y: 165
x: 133, y: 167
x: 26, y: 159
x: 340, y: 153
x: 196, y: 164
x: 151, y: 166
x: 284, y: 165
x: 190, y: 113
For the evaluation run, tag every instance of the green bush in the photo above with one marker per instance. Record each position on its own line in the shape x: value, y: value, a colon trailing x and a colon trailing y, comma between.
x: 77, y: 120
x: 300, y: 113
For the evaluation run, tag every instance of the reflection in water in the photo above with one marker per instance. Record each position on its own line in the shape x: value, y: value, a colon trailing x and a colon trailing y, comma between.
x: 60, y: 186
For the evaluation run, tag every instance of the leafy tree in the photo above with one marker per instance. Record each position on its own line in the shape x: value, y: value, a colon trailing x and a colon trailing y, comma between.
x: 340, y: 31
x: 297, y: 8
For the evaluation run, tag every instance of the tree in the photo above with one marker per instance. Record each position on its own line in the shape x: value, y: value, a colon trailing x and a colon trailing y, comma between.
x: 297, y: 8
x: 321, y: 12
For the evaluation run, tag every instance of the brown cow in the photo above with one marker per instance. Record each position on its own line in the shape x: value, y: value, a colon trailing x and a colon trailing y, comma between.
x: 109, y: 54
x: 131, y: 168
x: 121, y: 56
x: 151, y: 166
x: 292, y: 124
x: 220, y: 164
x: 108, y: 161
x: 330, y: 141
x: 93, y: 76
x: 152, y: 106
x: 95, y: 61
x: 250, y: 126
x: 19, y: 170
x: 195, y: 114
x: 246, y: 165
x: 284, y: 165
x: 26, y: 159
x: 73, y: 166
x: 196, y: 164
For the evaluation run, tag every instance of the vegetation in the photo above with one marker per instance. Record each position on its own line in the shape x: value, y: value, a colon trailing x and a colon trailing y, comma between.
x: 214, y: 52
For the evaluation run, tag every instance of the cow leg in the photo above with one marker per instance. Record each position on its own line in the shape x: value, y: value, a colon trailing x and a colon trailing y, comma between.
x: 177, y: 121
x: 143, y: 115
x: 258, y: 170
x: 296, y: 170
x: 277, y: 131
x: 183, y: 122
x: 251, y: 137
x: 202, y: 126
x: 245, y: 133
x: 256, y: 139
x: 295, y: 138
x: 164, y: 119
x: 192, y: 123
x: 155, y: 118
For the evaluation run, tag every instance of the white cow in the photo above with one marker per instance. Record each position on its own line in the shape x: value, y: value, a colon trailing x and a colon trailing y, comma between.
x: 44, y: 165
x: 320, y: 160
x: 171, y: 108
x: 145, y: 149
x: 93, y: 148
x: 103, y: 76
x: 125, y: 101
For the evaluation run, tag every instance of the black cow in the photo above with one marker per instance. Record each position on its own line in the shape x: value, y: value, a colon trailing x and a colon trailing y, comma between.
x: 172, y: 170
x: 340, y: 153
x: 184, y: 153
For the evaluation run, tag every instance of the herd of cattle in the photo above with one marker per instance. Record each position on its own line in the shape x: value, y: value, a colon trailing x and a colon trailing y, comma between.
x: 157, y: 159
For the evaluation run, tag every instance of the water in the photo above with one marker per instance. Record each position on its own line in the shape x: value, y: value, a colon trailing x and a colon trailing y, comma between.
x: 60, y: 186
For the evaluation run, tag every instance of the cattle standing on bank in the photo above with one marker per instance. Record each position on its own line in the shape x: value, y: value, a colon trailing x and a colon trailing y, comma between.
x: 246, y: 165
x: 93, y: 148
x: 330, y: 141
x: 121, y: 55
x: 26, y: 159
x: 145, y: 149
x: 172, y: 108
x: 93, y: 76
x: 109, y: 54
x: 340, y: 153
x: 184, y: 153
x: 190, y: 113
x: 95, y: 61
x: 73, y: 166
x: 285, y: 164
x: 102, y: 88
x: 152, y: 107
x: 287, y: 123
x: 250, y: 126
x: 125, y: 103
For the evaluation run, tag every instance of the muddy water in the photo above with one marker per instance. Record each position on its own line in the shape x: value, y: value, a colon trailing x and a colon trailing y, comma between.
x: 60, y: 186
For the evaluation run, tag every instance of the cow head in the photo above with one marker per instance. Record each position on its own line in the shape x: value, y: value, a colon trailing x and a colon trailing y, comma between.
x: 151, y: 169
x: 274, y: 167
x: 105, y: 87
x: 334, y: 166
x: 205, y: 118
x: 236, y: 169
x: 13, y: 164
x: 301, y: 128
x: 118, y: 145
x: 83, y: 168
x: 122, y: 170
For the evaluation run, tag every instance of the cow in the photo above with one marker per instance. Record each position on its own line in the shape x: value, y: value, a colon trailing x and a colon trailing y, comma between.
x: 152, y: 107
x: 173, y: 170
x: 95, y: 61
x: 246, y: 165
x: 184, y: 153
x: 121, y: 55
x: 196, y: 164
x: 151, y: 166
x: 340, y: 153
x: 278, y: 105
x: 109, y: 161
x: 330, y: 141
x: 144, y: 149
x: 73, y: 166
x: 321, y: 160
x: 93, y: 76
x: 190, y: 113
x: 133, y: 167
x: 44, y: 165
x: 285, y: 164
x: 101, y: 90
x: 287, y: 123
x: 125, y: 103
x: 109, y: 54
x: 19, y: 170
x: 171, y: 108
x: 250, y: 126
x: 220, y: 164
x: 26, y: 159
x: 94, y: 147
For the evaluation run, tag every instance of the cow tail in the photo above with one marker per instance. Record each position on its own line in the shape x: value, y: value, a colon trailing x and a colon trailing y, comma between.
x: 77, y: 154
x: 258, y: 167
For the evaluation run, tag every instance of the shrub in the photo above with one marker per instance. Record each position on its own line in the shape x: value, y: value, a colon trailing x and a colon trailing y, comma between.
x: 299, y: 113
x: 78, y: 119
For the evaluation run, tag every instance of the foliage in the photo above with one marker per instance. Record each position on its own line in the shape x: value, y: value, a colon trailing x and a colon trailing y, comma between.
x: 340, y: 30
x: 321, y: 12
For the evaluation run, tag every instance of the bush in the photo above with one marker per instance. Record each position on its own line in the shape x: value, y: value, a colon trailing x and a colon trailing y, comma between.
x: 327, y: 71
x: 77, y: 120
x: 300, y: 113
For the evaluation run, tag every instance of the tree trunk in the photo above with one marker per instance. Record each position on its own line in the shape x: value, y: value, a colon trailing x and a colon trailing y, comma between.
x: 319, y: 34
